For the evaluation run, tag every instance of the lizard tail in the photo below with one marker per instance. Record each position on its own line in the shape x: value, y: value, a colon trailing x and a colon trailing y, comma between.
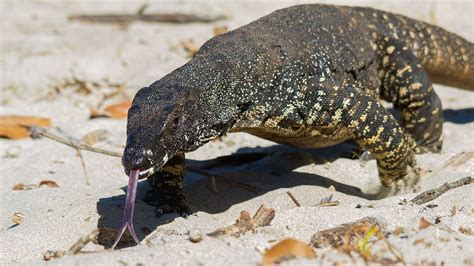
x: 447, y: 57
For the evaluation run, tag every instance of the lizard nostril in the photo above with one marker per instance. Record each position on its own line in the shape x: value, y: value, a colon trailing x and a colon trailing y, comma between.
x: 133, y: 159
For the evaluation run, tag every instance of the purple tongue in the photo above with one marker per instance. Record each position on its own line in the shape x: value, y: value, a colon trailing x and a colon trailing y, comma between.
x: 129, y: 207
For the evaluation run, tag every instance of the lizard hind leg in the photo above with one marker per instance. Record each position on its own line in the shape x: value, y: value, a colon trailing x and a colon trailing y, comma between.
x: 377, y: 131
x: 408, y: 86
x: 166, y: 187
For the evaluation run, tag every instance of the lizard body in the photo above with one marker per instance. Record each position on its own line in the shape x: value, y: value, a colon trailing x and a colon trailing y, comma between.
x: 308, y: 76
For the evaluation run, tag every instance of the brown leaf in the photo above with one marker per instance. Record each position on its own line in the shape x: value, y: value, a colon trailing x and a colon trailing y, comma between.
x: 95, y: 136
x: 345, y: 233
x: 424, y: 223
x: 16, y: 127
x: 286, y: 249
x: 190, y: 47
x: 19, y: 186
x: 14, y: 132
x: 220, y: 30
x: 18, y: 217
x: 49, y: 183
x: 26, y: 121
x: 399, y: 231
x: 97, y: 114
x: 466, y: 231
x: 118, y: 110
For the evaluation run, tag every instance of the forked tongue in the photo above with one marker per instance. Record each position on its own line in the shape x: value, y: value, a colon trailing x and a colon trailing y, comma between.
x: 129, y: 207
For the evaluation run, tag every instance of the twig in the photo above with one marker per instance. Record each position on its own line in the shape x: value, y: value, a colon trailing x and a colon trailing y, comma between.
x: 213, y: 184
x: 82, y: 242
x: 157, y: 17
x: 293, y: 199
x: 432, y: 194
x: 328, y: 204
x: 74, y: 249
x: 36, y: 131
x: 223, y: 179
x: 83, y: 166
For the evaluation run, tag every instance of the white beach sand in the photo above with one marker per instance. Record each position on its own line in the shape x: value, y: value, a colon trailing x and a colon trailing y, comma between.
x: 40, y: 49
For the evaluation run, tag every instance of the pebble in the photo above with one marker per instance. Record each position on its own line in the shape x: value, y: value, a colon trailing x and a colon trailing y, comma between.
x: 195, y: 236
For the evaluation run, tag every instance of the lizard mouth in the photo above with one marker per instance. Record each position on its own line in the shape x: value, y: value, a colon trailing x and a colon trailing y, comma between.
x: 147, y: 172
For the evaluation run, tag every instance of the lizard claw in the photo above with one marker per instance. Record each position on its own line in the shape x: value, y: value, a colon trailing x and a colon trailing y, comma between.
x: 129, y: 208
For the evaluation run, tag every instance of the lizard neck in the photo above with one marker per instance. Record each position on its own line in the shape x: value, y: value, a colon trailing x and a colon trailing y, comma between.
x: 211, y: 106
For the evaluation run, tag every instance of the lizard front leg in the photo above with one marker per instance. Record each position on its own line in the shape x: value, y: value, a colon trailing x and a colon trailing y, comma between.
x: 408, y: 86
x: 166, y: 187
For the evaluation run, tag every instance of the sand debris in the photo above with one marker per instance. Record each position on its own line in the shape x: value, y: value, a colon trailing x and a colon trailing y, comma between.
x: 245, y: 223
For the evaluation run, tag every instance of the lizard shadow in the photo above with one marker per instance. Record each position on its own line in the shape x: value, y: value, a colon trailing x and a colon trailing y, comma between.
x: 459, y: 116
x: 456, y: 116
x: 110, y: 210
x: 272, y: 172
x: 260, y: 167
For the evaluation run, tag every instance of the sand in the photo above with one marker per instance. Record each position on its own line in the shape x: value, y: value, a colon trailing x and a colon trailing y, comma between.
x: 41, y: 49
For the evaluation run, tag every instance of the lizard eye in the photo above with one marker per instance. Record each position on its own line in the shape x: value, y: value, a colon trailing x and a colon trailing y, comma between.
x: 175, y: 121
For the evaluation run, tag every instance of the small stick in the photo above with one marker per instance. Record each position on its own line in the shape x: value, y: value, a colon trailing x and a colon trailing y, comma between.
x: 74, y: 249
x: 83, y: 166
x: 328, y: 204
x: 36, y: 131
x: 82, y: 242
x: 222, y: 178
x: 293, y: 199
x: 432, y: 194
x: 128, y: 18
x: 213, y: 184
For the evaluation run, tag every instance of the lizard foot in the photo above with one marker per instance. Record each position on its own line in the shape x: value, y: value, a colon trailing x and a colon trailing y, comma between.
x: 433, y: 147
x: 167, y: 201
x: 405, y: 185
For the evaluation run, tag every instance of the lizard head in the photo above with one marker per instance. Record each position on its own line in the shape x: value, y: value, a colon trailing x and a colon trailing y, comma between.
x: 157, y: 127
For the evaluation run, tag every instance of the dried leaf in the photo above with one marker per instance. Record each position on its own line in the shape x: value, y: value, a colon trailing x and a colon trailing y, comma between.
x: 220, y: 30
x: 190, y: 47
x: 95, y: 136
x: 345, y: 233
x: 26, y: 121
x: 286, y: 249
x: 424, y: 223
x: 466, y: 231
x: 118, y: 110
x: 97, y: 114
x: 16, y: 127
x: 399, y: 231
x: 49, y: 183
x: 19, y: 186
x: 18, y: 217
x: 14, y: 132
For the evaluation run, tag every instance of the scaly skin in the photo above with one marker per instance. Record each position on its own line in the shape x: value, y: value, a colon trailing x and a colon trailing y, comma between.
x: 308, y: 76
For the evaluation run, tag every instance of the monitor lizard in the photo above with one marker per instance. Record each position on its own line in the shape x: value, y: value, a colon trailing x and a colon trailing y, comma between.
x: 308, y: 76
